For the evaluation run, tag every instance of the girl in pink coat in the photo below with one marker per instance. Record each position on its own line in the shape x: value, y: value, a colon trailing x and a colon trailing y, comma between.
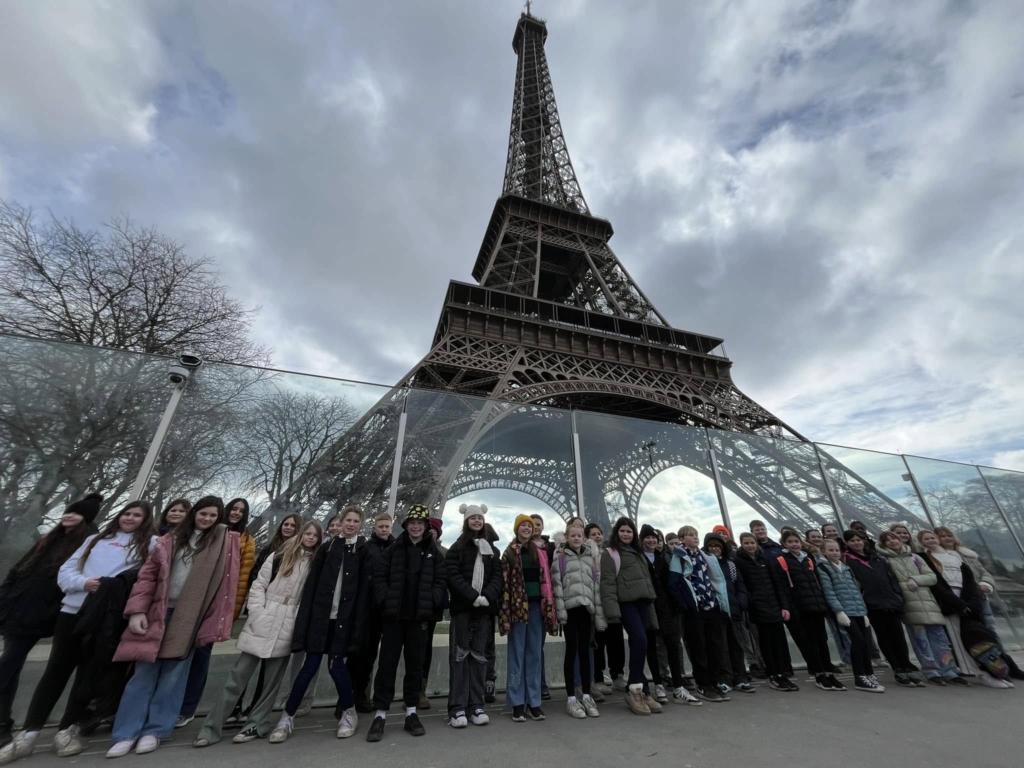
x: 184, y: 599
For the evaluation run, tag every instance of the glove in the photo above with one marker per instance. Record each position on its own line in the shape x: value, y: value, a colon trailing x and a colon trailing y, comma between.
x: 843, y: 619
x: 481, y: 602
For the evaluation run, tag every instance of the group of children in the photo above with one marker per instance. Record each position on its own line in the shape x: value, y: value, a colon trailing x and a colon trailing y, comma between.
x: 135, y: 608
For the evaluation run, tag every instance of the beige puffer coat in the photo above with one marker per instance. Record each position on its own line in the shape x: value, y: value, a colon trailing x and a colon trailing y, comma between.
x: 920, y: 606
x: 580, y: 584
x: 267, y: 633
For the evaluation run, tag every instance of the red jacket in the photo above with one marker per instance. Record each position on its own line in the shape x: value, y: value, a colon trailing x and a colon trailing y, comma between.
x: 149, y: 596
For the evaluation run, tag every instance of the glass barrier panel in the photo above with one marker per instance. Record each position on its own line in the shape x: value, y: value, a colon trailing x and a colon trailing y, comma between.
x: 1008, y: 488
x: 652, y: 472
x: 775, y: 481
x: 958, y: 499
x: 516, y: 459
x: 872, y: 487
x: 286, y: 442
x: 73, y: 420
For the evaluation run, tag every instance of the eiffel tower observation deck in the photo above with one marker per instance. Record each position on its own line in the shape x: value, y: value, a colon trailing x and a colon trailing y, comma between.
x: 553, y: 331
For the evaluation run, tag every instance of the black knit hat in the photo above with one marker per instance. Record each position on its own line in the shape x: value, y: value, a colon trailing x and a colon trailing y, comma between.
x: 88, y: 508
x: 847, y: 535
x: 647, y: 530
x: 417, y: 512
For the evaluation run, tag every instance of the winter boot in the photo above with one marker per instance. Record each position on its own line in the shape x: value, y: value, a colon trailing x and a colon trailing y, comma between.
x: 635, y: 700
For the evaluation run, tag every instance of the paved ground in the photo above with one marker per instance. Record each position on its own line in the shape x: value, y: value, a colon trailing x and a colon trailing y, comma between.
x: 926, y: 728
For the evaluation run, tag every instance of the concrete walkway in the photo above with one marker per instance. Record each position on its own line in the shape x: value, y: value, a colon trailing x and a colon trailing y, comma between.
x: 915, y: 728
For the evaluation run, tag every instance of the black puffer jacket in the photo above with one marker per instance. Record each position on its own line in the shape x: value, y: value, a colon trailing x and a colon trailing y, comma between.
x: 313, y: 620
x: 878, y: 584
x: 762, y: 594
x: 372, y: 554
x: 665, y: 605
x: 389, y: 579
x: 797, y: 585
x: 459, y: 563
x: 101, y: 619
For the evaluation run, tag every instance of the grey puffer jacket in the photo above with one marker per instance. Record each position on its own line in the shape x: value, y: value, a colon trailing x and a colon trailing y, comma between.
x: 920, y: 605
x: 625, y: 578
x: 576, y: 579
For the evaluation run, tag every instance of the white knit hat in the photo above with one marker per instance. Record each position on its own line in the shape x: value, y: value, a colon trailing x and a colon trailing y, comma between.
x: 468, y: 510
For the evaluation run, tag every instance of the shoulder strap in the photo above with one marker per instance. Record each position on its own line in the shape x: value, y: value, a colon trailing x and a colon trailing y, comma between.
x: 785, y: 567
x: 561, y: 565
x: 810, y: 561
x: 276, y: 566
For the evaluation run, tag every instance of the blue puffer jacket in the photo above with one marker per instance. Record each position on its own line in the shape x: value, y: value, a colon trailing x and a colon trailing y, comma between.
x: 679, y: 581
x: 842, y: 592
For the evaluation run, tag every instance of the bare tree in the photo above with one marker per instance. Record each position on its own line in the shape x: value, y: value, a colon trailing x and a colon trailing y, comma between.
x: 125, y: 287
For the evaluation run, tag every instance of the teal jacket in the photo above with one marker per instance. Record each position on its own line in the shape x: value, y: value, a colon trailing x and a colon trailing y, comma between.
x: 841, y: 588
x: 679, y: 584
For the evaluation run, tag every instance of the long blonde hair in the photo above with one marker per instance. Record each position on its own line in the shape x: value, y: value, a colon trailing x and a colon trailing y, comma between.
x: 292, y: 551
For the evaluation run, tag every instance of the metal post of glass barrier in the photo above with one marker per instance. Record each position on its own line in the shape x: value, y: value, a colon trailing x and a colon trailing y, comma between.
x: 578, y: 466
x: 722, y: 505
x: 917, y: 490
x: 396, y: 469
x: 829, y: 490
x: 179, y: 375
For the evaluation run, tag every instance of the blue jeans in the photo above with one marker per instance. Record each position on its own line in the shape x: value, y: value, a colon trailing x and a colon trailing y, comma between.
x: 634, y: 621
x: 933, y: 651
x: 842, y: 640
x: 525, y: 642
x: 152, y: 699
x: 197, y: 675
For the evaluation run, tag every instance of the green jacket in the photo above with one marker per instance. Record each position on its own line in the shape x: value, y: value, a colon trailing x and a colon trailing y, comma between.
x: 921, y: 607
x: 626, y: 581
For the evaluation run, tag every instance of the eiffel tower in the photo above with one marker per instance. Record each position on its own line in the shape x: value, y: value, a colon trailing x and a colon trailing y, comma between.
x: 554, y: 323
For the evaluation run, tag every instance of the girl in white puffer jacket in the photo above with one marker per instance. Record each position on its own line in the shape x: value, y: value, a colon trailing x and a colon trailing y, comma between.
x: 267, y: 635
x: 575, y: 576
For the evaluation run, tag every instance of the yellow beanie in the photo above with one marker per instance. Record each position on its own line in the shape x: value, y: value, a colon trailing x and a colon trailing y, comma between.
x: 520, y: 519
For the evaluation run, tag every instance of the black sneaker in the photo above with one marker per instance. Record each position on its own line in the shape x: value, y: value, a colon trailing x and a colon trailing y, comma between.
x: 917, y: 681
x: 545, y: 696
x: 365, y: 707
x: 778, y: 684
x: 519, y: 714
x: 937, y: 681
x: 832, y: 669
x: 757, y: 671
x: 710, y: 694
x: 835, y: 684
x: 376, y: 732
x: 904, y: 680
x: 489, y: 692
x: 536, y: 713
x: 791, y: 686
x: 822, y: 682
x: 959, y: 681
x: 865, y: 683
x: 413, y: 725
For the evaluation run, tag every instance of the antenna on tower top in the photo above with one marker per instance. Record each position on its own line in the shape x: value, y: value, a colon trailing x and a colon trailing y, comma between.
x: 529, y: 5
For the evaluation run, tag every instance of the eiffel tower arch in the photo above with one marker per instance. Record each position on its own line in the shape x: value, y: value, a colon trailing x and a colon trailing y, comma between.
x: 555, y: 325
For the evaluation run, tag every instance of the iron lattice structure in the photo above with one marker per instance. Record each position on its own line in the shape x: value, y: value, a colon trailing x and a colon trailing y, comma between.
x: 554, y: 322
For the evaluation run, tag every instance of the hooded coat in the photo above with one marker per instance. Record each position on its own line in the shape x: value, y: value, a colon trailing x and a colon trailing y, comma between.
x: 763, y: 603
x: 878, y: 584
x: 920, y: 605
x: 313, y: 619
x: 797, y: 584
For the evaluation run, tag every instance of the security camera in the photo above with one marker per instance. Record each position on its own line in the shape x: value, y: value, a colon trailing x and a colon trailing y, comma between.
x: 190, y: 360
x: 178, y: 374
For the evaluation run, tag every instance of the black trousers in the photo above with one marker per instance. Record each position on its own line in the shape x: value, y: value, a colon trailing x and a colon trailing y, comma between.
x: 398, y: 638
x: 577, y: 646
x: 892, y: 640
x: 860, y: 646
x: 735, y: 668
x: 16, y: 650
x: 670, y: 634
x: 809, y: 634
x: 491, y: 653
x: 599, y: 643
x: 615, y: 644
x: 703, y: 637
x: 428, y: 653
x: 68, y: 655
x: 774, y: 649
x: 368, y: 656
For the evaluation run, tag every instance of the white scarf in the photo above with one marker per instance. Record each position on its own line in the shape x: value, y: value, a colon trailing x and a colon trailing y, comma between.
x: 483, y: 548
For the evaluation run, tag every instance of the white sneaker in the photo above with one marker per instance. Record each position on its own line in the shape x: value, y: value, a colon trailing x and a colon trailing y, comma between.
x: 602, y: 688
x: 619, y: 684
x: 348, y: 723
x: 282, y: 730
x: 607, y: 678
x: 992, y: 682
x: 660, y: 694
x: 305, y: 707
x: 146, y: 745
x: 181, y: 722
x: 479, y: 718
x: 120, y: 749
x: 20, y: 747
x: 67, y: 743
x: 682, y: 696
x: 590, y: 707
x: 574, y: 709
x: 458, y: 720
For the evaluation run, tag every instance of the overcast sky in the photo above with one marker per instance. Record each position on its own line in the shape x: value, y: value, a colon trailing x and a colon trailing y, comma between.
x: 836, y: 188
